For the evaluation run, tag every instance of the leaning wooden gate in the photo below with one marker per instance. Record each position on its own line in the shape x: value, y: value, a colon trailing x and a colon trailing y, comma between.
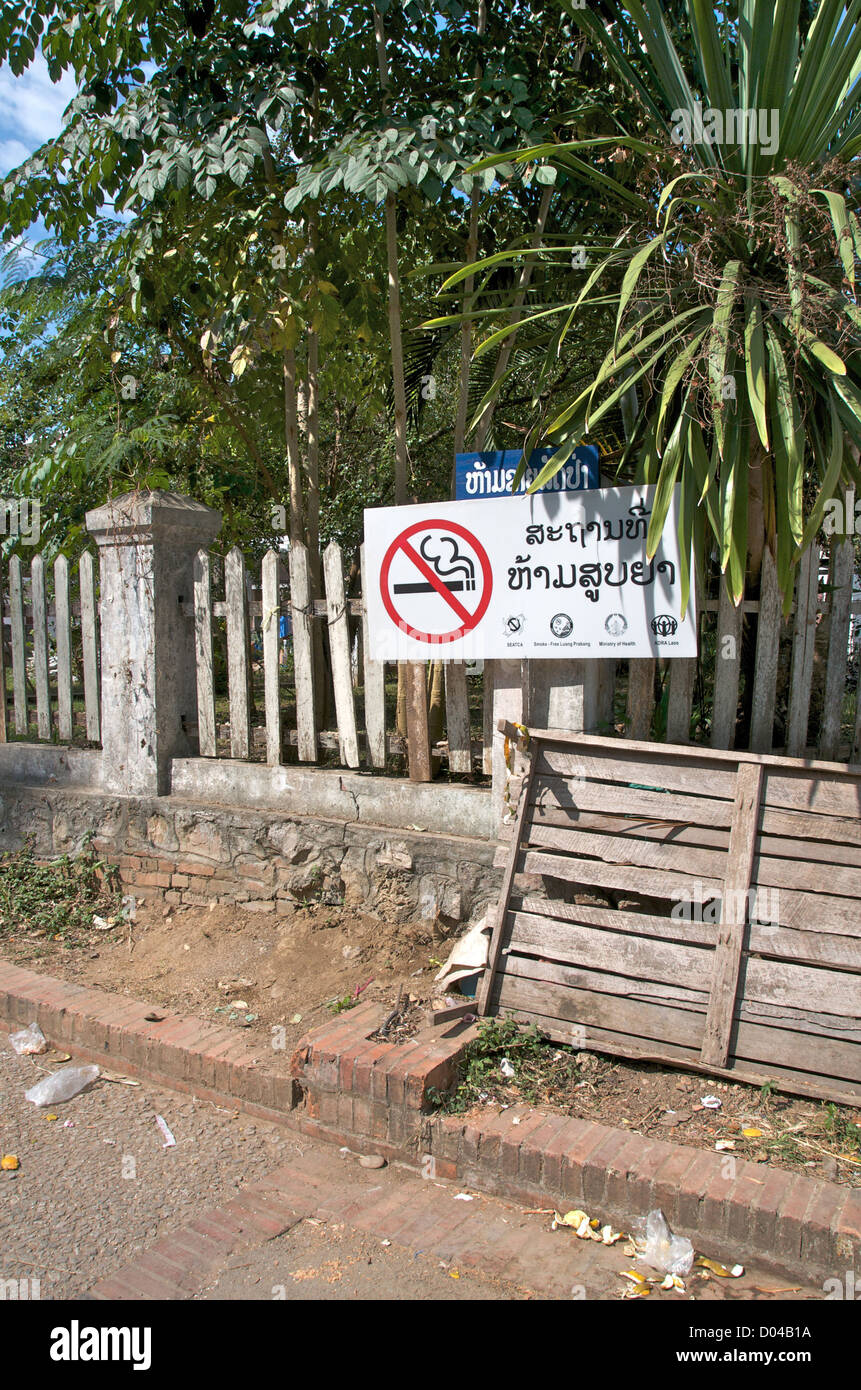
x: 685, y: 906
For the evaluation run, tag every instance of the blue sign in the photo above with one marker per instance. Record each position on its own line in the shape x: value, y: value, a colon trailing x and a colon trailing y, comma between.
x: 491, y: 474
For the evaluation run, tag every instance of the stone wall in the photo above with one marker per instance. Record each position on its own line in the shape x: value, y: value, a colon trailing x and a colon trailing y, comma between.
x: 263, y: 860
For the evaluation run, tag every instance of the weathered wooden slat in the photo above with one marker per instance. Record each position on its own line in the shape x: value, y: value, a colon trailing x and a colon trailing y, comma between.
x: 375, y: 692
x: 3, y: 711
x: 673, y: 1024
x: 656, y: 883
x: 271, y: 584
x: 804, y: 636
x: 457, y: 717
x: 621, y: 1045
x: 605, y: 694
x: 19, y: 660
x: 683, y: 675
x: 619, y: 953
x: 63, y: 638
x: 554, y: 793
x: 303, y: 652
x: 237, y: 654
x: 641, y: 696
x: 90, y: 647
x: 842, y: 564
x: 765, y: 669
x: 769, y: 871
x: 497, y: 935
x: 595, y: 745
x: 781, y: 943
x: 678, y: 833
x: 339, y: 646
x: 727, y: 668
x: 655, y: 771
x: 40, y: 648
x: 203, y: 655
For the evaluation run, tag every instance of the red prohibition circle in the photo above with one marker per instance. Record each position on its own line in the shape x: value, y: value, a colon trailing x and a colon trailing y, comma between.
x: 487, y: 576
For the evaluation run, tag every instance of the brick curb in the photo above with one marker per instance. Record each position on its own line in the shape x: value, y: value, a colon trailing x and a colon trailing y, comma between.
x: 372, y: 1095
x: 181, y: 1051
x: 355, y: 1091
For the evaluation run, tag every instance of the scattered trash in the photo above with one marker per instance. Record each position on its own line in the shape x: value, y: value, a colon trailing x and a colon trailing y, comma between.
x: 68, y: 1124
x: 752, y: 1133
x: 63, y: 1057
x: 463, y: 1197
x: 29, y: 1040
x: 587, y: 1228
x: 9, y: 1163
x: 119, y: 1080
x: 723, y: 1144
x: 52, y: 1117
x: 507, y: 1069
x: 672, y: 1281
x: 385, y: 1242
x: 61, y: 1085
x: 155, y: 1018
x: 468, y: 955
x: 371, y: 1161
x: 453, y: 1274
x: 297, y: 1018
x: 169, y: 1141
x: 233, y: 986
x: 711, y: 1102
x: 664, y: 1251
x: 104, y: 923
x: 720, y: 1270
x: 240, y: 1005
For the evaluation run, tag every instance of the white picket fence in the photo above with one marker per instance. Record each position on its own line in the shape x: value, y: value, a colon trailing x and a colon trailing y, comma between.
x: 48, y: 640
x: 40, y: 636
x: 290, y: 593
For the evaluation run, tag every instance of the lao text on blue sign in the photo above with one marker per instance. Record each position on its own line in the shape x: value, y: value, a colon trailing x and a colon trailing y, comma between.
x: 491, y: 474
x: 547, y: 575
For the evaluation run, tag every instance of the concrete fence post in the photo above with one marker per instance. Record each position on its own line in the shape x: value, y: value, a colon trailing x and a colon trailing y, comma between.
x: 147, y: 542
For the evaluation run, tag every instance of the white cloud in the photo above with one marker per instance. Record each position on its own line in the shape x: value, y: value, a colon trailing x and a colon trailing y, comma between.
x: 31, y: 109
x: 12, y: 153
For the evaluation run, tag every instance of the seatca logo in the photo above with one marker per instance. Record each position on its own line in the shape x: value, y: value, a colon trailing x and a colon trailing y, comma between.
x: 77, y: 1343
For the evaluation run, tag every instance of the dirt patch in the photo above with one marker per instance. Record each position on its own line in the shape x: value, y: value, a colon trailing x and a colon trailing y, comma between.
x: 507, y: 1064
x: 248, y: 970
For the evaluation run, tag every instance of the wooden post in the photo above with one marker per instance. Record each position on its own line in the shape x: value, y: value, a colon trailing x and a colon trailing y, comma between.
x: 727, y: 669
x: 803, y: 642
x: 457, y: 717
x: 842, y: 564
x: 641, y: 697
x: 90, y: 646
x: 733, y: 917
x: 303, y: 651
x: 2, y: 662
x: 765, y: 668
x: 271, y: 596
x: 19, y: 657
x: 339, y: 645
x: 63, y: 632
x: 237, y: 654
x: 375, y: 691
x: 418, y: 735
x: 40, y: 647
x: 203, y: 655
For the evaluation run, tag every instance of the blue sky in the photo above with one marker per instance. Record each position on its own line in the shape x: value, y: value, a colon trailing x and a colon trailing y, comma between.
x: 31, y: 110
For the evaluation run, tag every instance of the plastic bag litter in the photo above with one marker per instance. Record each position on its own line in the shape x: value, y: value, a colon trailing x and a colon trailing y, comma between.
x: 668, y: 1253
x: 61, y: 1085
x: 29, y: 1040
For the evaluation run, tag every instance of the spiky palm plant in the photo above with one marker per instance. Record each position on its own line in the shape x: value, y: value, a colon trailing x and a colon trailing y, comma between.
x: 733, y: 276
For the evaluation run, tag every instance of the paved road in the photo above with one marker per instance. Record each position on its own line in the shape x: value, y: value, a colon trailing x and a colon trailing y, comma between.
x: 96, y: 1188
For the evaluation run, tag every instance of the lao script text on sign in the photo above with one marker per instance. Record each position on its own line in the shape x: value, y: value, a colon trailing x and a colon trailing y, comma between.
x: 548, y: 575
x: 491, y: 474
